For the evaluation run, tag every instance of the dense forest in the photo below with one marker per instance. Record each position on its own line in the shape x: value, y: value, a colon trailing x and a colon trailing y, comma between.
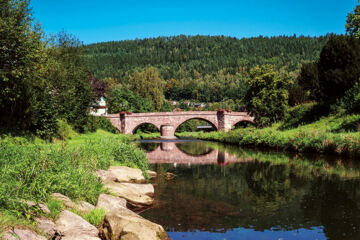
x: 202, y: 68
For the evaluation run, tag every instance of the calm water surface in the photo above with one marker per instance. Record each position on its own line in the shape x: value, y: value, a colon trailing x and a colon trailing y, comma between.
x: 225, y: 192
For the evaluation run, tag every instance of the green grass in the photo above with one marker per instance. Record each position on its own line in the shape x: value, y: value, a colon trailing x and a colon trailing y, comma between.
x: 55, y: 206
x: 34, y: 170
x: 9, y: 220
x: 148, y: 135
x: 95, y: 216
x: 333, y: 134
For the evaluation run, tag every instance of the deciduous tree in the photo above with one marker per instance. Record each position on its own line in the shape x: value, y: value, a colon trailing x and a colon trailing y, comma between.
x: 70, y: 80
x: 267, y: 96
x: 353, y: 22
x: 25, y: 101
x: 148, y: 84
x: 119, y: 99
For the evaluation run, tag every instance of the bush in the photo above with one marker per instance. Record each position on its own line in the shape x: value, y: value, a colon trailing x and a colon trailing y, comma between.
x: 64, y: 130
x: 298, y: 115
x: 351, y: 100
x: 105, y: 124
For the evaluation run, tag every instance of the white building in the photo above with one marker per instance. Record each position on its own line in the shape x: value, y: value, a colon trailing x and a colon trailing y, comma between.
x: 100, y: 109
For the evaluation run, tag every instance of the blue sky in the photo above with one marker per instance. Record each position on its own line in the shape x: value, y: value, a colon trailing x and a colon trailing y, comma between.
x: 110, y: 20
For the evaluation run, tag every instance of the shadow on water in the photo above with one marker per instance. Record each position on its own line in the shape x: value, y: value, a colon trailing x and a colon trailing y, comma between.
x: 224, y: 192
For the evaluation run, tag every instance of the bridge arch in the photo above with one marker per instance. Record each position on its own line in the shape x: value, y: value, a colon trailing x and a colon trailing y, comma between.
x: 208, y: 120
x: 198, y: 151
x: 242, y: 122
x: 143, y: 124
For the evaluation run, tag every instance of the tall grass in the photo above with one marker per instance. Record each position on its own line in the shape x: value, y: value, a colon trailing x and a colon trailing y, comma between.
x: 34, y: 171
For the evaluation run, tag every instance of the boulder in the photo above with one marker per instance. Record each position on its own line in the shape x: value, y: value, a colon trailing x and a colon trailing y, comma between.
x: 72, y: 226
x: 80, y: 237
x: 64, y: 199
x: 131, y: 194
x: 22, y: 234
x: 127, y: 174
x: 106, y: 176
x: 47, y: 226
x: 120, y: 221
x: 151, y: 174
x: 44, y: 208
x: 146, y: 189
x: 84, y: 207
x: 105, y: 200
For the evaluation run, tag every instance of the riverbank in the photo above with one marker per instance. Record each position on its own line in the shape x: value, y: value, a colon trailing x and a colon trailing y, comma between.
x: 34, y: 170
x: 334, y: 135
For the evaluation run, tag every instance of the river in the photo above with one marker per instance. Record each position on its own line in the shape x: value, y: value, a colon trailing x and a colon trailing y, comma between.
x: 226, y: 192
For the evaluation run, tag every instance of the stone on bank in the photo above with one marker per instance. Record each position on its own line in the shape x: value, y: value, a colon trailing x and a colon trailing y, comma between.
x: 120, y: 221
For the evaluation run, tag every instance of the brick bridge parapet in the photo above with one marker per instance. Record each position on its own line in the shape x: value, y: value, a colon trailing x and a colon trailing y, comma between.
x: 168, y: 122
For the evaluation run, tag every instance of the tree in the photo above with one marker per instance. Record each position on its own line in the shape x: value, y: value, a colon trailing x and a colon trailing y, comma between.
x: 338, y: 67
x: 148, y: 84
x: 70, y: 80
x: 98, y: 87
x: 25, y: 101
x: 353, y: 22
x: 167, y: 107
x: 309, y: 80
x: 267, y: 96
x: 119, y: 99
x: 336, y: 71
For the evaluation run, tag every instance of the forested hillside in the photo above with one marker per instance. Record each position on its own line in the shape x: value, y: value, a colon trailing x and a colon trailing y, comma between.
x: 201, y: 67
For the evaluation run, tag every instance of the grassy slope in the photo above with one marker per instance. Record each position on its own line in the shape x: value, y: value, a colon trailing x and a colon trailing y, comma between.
x: 34, y: 170
x: 333, y: 134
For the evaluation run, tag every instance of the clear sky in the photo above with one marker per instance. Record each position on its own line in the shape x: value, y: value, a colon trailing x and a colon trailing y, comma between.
x: 110, y: 20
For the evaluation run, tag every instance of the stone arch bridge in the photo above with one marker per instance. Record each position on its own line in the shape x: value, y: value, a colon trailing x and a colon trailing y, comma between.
x: 168, y: 122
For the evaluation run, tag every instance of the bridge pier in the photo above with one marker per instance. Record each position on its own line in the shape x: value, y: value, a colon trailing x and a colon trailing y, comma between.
x: 167, y: 131
x: 167, y: 146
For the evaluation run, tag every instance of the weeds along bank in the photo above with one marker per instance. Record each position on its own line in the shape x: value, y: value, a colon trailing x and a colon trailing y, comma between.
x: 334, y: 134
x: 33, y: 171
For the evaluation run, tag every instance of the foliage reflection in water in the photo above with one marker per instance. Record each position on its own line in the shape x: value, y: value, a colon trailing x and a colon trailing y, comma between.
x: 232, y: 193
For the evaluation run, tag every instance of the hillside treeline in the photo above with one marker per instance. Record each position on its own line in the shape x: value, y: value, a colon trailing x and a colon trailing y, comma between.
x: 203, y: 68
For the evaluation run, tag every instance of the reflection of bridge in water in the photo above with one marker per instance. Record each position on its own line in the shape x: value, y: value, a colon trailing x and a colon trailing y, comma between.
x: 168, y: 152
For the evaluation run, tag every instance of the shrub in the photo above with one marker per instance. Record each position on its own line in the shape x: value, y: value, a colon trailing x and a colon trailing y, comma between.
x: 351, y: 100
x: 105, y: 124
x: 64, y: 131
